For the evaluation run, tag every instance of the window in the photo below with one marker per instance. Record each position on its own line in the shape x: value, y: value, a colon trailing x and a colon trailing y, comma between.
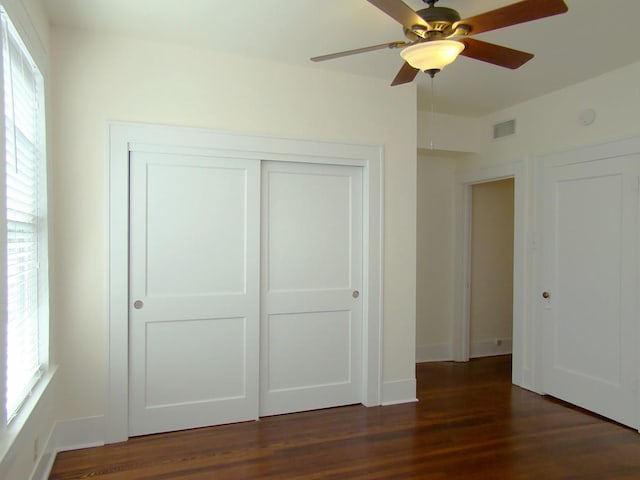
x: 26, y: 332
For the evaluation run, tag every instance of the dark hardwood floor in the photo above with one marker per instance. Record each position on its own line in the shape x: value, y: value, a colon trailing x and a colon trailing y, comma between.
x: 470, y: 423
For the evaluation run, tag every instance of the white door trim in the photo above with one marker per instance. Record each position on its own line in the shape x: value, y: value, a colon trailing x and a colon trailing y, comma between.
x: 124, y: 138
x: 465, y: 180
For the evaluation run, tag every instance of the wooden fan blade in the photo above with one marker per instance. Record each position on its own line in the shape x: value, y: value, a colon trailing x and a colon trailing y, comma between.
x: 494, y: 54
x: 400, y: 12
x: 406, y: 74
x: 355, y: 51
x: 514, y: 14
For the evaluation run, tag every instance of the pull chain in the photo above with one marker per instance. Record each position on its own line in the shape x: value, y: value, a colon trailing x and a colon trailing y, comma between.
x: 431, y: 115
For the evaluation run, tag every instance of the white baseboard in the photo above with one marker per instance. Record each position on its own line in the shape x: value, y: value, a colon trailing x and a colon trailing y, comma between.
x: 440, y: 352
x: 44, y: 463
x: 68, y: 435
x: 399, y: 391
x: 443, y: 352
x: 43, y: 466
x: 77, y: 433
x: 488, y: 348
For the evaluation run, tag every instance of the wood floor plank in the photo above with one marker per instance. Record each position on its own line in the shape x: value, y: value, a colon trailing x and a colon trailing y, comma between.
x: 469, y: 423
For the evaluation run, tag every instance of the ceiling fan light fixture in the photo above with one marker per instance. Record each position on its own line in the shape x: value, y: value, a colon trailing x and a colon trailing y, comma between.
x: 433, y: 55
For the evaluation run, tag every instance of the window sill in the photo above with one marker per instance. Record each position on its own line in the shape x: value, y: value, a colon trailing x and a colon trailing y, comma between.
x: 10, y: 434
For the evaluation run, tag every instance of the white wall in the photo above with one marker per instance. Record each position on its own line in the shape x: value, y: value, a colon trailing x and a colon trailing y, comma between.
x: 435, y: 251
x: 448, y: 133
x: 551, y: 123
x: 444, y: 141
x: 97, y: 78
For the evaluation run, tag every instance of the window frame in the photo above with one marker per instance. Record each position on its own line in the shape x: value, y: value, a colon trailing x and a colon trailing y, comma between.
x: 10, y: 430
x: 36, y: 93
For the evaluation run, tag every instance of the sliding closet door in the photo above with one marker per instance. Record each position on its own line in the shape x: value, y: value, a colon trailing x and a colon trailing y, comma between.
x: 194, y: 291
x: 311, y: 319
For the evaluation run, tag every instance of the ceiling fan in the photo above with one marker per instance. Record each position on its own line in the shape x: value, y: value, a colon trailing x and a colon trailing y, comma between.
x: 437, y: 35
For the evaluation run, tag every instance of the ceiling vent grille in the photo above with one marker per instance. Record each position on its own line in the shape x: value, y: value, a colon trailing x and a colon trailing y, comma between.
x: 504, y: 129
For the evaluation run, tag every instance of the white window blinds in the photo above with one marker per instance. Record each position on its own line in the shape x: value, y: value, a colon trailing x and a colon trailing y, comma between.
x: 22, y: 84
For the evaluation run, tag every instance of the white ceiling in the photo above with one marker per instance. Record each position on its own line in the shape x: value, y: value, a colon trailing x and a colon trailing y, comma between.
x: 595, y: 36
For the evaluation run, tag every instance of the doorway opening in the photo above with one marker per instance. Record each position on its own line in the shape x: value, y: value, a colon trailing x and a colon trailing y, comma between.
x: 491, y: 268
x: 513, y: 176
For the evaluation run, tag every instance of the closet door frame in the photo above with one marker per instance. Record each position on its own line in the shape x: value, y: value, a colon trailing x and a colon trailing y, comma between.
x: 124, y: 138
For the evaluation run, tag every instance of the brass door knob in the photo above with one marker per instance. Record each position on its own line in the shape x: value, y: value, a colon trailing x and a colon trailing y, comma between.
x: 546, y: 295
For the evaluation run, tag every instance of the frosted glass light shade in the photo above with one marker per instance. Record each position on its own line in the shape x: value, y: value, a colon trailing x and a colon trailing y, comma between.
x: 433, y: 55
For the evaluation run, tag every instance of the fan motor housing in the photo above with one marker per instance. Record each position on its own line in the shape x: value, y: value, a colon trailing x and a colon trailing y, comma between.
x: 440, y: 21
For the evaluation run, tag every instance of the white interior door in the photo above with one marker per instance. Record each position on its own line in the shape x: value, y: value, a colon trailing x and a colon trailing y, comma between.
x: 311, y: 340
x: 590, y: 244
x: 194, y: 291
